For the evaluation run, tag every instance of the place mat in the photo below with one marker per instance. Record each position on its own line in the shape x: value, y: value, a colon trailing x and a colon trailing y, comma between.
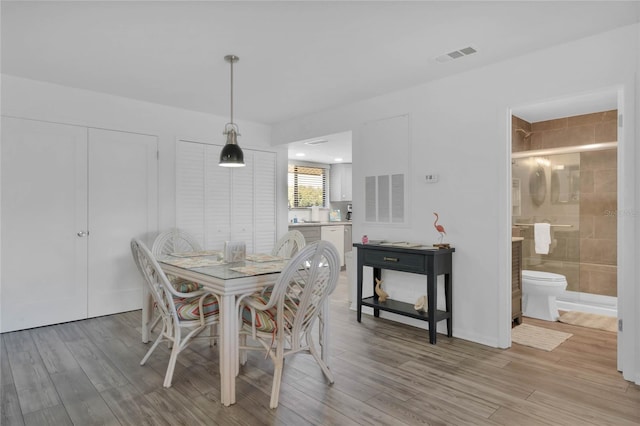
x: 261, y: 268
x: 538, y: 337
x: 197, y: 253
x: 192, y: 262
x: 584, y: 319
x: 260, y: 257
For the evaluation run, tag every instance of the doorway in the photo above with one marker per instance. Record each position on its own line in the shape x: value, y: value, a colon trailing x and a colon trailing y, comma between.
x: 574, y: 138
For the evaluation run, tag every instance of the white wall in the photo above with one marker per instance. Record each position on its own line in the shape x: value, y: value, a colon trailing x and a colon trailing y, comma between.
x: 632, y: 304
x: 49, y: 102
x: 460, y: 128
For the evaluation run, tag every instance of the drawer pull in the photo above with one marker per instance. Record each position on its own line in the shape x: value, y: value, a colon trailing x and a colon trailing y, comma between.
x: 390, y: 259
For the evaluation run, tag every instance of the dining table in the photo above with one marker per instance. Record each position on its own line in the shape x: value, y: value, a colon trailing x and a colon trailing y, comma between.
x: 229, y: 282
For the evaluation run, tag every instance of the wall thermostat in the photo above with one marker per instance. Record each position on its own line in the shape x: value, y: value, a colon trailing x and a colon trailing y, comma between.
x: 432, y: 178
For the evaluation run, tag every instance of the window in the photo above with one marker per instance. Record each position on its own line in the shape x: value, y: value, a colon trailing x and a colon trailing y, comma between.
x: 307, y: 186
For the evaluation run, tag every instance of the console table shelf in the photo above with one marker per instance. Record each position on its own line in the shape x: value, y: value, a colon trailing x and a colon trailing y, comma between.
x: 418, y: 260
x: 403, y: 308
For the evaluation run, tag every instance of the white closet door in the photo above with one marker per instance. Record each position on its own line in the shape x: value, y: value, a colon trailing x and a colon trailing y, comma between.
x: 242, y: 202
x: 44, y: 263
x: 202, y: 194
x: 220, y: 204
x: 190, y: 187
x: 122, y: 205
x: 217, y: 193
x: 265, y: 205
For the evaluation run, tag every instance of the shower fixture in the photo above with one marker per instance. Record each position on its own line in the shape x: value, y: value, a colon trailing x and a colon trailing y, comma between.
x: 526, y: 134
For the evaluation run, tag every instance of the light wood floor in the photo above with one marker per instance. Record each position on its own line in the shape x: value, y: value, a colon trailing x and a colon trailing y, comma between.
x: 88, y: 373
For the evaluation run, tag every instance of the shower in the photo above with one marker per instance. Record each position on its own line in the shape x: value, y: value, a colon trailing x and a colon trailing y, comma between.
x: 571, y: 183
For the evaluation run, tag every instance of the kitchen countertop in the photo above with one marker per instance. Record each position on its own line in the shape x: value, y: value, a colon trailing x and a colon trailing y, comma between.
x: 319, y: 223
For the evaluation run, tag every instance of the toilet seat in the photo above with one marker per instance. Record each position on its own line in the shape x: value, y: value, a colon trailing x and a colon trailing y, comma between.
x: 543, y: 276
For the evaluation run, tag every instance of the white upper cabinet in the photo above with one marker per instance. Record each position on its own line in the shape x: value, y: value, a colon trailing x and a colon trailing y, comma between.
x: 340, y: 182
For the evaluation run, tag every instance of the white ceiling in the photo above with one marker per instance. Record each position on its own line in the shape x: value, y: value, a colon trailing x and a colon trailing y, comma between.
x: 295, y: 57
x: 328, y: 149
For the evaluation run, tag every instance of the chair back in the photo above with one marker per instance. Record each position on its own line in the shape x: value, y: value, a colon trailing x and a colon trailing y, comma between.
x: 290, y: 243
x: 302, y: 288
x: 155, y: 278
x: 174, y: 241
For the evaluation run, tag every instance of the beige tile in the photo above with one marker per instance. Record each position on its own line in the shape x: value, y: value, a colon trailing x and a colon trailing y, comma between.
x: 580, y: 135
x: 598, y: 251
x: 540, y: 126
x: 559, y: 251
x: 573, y: 249
x: 606, y: 132
x: 605, y: 180
x: 605, y: 227
x: 611, y: 115
x: 555, y: 138
x: 519, y: 123
x: 584, y: 119
x: 598, y: 279
x: 587, y: 226
x: 520, y: 143
x: 586, y: 181
x: 598, y: 204
x: 572, y: 274
x: 595, y: 160
x: 536, y: 140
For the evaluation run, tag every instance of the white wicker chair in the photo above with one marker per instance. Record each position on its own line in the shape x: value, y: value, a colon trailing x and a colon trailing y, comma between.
x: 187, y: 313
x: 290, y: 243
x: 174, y: 241
x: 282, y: 320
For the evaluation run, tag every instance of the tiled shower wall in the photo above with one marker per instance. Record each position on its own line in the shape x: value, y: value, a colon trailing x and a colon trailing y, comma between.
x: 586, y: 256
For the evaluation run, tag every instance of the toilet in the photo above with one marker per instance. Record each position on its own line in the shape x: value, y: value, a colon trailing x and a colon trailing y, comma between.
x: 539, y: 292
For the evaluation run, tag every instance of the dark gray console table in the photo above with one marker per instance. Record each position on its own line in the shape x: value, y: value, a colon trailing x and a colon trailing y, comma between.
x: 418, y: 260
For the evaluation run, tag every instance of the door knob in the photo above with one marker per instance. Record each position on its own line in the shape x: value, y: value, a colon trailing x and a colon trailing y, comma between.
x: 83, y: 234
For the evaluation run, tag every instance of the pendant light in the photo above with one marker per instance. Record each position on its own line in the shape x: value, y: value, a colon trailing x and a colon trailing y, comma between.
x: 231, y: 155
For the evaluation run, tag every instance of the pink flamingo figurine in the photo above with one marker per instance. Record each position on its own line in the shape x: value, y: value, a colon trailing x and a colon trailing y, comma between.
x: 439, y: 228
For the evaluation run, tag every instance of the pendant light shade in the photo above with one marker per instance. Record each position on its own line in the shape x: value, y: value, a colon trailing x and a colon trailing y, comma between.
x: 231, y: 155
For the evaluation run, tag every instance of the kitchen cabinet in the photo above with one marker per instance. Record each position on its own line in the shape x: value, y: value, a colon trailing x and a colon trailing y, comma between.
x: 72, y: 199
x: 339, y: 235
x: 218, y: 204
x: 340, y: 181
x: 348, y: 243
x: 335, y: 235
x: 311, y: 233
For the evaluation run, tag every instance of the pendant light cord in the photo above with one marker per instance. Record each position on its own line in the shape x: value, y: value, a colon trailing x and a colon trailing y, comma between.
x: 231, y: 59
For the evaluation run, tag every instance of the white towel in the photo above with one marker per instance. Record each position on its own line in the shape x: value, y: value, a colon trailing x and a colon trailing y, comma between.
x: 542, y: 237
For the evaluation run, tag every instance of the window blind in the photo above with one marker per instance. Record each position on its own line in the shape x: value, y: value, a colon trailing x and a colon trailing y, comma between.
x: 307, y: 186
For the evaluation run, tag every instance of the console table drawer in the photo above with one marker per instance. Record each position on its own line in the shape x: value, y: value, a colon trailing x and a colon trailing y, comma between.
x: 393, y: 260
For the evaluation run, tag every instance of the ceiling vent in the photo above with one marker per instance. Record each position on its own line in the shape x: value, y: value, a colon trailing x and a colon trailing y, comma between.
x: 456, y: 54
x: 316, y: 142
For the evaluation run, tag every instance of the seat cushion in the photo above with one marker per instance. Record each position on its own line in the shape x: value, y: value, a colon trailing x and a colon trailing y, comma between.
x: 266, y: 320
x: 184, y: 286
x: 188, y: 308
